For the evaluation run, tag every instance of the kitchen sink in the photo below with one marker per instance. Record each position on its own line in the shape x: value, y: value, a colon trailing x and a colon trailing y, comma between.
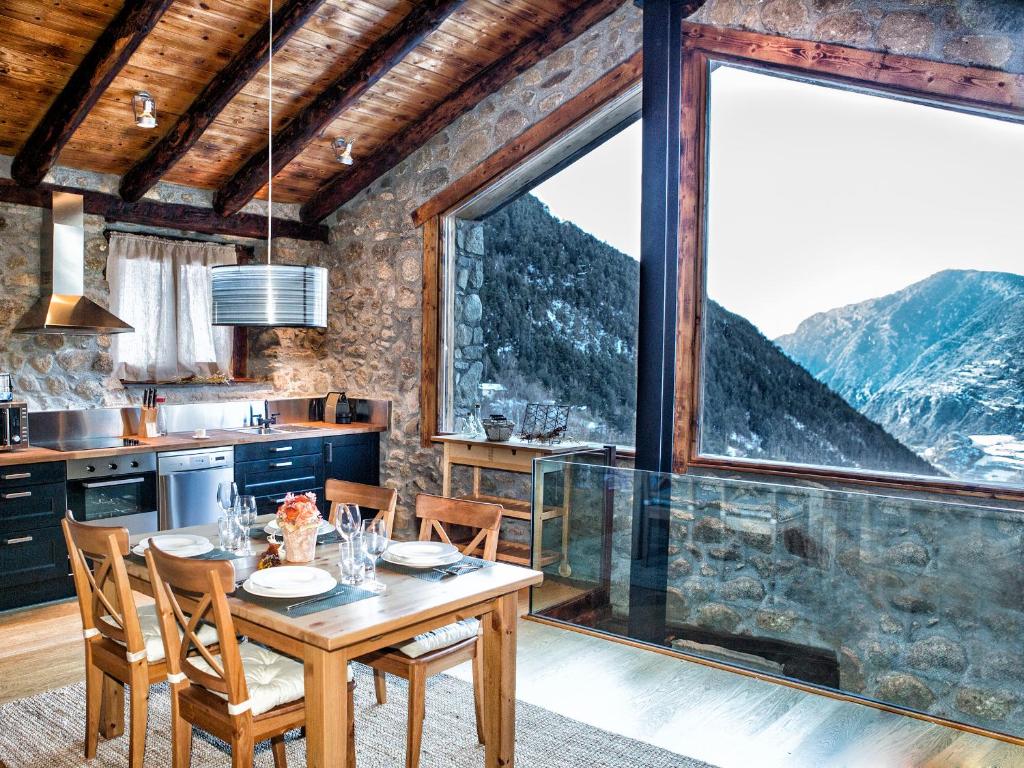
x: 277, y: 429
x: 259, y: 431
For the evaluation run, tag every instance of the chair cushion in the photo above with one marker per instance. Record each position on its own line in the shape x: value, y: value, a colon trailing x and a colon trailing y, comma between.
x: 442, y: 637
x: 272, y: 679
x: 149, y: 623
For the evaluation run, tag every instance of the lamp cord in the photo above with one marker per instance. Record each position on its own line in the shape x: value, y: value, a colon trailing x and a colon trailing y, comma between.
x: 270, y: 130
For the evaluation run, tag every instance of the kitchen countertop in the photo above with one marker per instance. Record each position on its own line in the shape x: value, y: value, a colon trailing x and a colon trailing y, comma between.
x: 184, y: 441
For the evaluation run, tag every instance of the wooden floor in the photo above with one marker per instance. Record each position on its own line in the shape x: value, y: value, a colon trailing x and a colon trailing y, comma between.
x: 723, y: 718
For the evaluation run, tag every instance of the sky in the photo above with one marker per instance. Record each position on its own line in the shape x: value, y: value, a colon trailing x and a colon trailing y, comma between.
x: 820, y: 197
x: 600, y: 192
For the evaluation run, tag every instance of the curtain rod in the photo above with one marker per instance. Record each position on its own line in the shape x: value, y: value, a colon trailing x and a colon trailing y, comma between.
x: 108, y: 231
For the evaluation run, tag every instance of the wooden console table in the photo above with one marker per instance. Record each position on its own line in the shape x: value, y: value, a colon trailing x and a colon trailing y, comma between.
x: 514, y: 456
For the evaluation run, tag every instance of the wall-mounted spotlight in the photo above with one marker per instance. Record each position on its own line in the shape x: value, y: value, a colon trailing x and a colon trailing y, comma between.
x: 144, y: 109
x: 342, y: 150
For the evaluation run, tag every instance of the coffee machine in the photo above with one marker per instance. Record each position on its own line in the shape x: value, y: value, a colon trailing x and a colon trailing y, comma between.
x: 13, y: 417
x: 338, y: 408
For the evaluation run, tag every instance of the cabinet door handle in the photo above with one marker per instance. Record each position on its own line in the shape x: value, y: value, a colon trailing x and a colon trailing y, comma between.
x: 18, y: 495
x: 280, y: 464
x: 281, y: 449
x: 330, y: 452
x: 17, y: 476
x: 19, y: 540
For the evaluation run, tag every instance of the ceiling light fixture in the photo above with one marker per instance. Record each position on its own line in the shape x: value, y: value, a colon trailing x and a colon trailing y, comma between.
x: 343, y: 150
x: 269, y: 295
x: 144, y: 109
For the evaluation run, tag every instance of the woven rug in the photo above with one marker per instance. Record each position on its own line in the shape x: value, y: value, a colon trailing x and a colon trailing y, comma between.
x: 46, y: 731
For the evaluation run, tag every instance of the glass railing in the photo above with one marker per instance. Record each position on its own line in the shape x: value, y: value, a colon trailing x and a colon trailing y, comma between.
x: 909, y: 599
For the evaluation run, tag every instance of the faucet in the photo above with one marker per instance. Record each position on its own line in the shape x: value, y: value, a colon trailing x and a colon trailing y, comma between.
x: 263, y: 421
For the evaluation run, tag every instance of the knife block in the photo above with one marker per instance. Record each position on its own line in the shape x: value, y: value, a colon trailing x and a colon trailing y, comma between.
x: 147, y: 423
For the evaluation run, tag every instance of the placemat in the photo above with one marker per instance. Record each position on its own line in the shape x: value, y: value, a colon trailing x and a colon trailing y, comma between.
x: 429, y: 574
x: 343, y: 594
x: 214, y: 554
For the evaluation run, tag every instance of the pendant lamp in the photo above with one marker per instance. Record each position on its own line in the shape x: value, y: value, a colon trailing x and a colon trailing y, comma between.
x: 269, y: 295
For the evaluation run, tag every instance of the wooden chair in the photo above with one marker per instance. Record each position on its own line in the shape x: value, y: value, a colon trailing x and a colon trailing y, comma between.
x: 245, y: 693
x: 122, y: 642
x: 383, y: 500
x: 449, y: 646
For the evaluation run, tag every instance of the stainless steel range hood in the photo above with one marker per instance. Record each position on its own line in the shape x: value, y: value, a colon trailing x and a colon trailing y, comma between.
x: 63, y: 307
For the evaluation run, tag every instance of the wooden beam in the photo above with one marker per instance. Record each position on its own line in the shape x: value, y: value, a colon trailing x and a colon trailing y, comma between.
x: 373, y: 64
x: 190, y: 218
x: 605, y: 89
x: 214, y: 97
x: 347, y: 184
x: 100, y: 66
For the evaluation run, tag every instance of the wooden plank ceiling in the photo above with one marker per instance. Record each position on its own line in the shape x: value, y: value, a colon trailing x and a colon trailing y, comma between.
x: 43, y: 41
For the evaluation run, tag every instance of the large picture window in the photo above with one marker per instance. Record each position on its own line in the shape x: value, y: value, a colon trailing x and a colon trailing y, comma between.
x: 863, y: 281
x: 536, y: 254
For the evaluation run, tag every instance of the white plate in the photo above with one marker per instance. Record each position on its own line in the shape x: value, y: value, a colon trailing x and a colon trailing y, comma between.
x: 445, y: 560
x: 295, y: 588
x: 178, y: 544
x: 420, y: 551
x: 289, y: 577
x: 324, y: 527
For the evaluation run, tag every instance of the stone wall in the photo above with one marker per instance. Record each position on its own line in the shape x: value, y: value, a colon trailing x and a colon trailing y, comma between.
x: 469, y: 332
x: 985, y: 33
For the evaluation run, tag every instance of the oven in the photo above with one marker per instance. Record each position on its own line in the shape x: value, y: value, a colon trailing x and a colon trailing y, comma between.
x: 115, y: 490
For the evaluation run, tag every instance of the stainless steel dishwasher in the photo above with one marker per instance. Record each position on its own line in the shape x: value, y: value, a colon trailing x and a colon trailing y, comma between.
x: 188, y: 482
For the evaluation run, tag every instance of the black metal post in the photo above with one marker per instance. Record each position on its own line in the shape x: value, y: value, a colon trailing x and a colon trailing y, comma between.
x: 657, y: 321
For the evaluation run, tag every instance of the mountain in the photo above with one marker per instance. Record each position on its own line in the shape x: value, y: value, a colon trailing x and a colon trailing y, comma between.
x: 560, y: 323
x: 937, y: 363
x: 759, y: 404
x: 560, y: 311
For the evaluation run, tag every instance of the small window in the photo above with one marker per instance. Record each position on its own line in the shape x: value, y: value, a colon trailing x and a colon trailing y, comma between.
x: 540, y: 285
x: 864, y: 282
x: 162, y: 289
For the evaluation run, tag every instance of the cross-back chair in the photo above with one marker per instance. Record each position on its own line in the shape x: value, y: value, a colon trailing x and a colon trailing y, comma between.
x: 242, y: 693
x: 446, y: 647
x: 122, y: 641
x: 376, y: 497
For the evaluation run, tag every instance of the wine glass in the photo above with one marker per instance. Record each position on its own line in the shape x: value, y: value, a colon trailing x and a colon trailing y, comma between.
x: 227, y: 495
x: 348, y: 522
x: 247, y: 517
x: 375, y: 541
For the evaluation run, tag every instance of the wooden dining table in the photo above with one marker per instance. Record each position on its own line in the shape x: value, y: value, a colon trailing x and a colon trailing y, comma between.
x: 326, y: 641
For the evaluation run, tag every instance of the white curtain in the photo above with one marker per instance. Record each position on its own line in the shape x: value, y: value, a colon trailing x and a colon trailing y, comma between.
x: 162, y: 288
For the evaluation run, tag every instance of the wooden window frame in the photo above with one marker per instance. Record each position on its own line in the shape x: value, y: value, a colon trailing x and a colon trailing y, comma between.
x: 991, y: 92
x: 433, y: 216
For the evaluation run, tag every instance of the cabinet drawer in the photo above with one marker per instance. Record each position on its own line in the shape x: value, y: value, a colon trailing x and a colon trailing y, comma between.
x: 37, y: 554
x: 279, y: 476
x: 31, y: 506
x: 18, y: 475
x: 277, y: 449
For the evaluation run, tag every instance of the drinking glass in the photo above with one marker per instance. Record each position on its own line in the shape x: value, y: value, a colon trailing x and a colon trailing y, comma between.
x: 375, y: 541
x: 227, y: 495
x: 348, y: 522
x: 247, y: 517
x: 353, y: 567
x: 227, y: 531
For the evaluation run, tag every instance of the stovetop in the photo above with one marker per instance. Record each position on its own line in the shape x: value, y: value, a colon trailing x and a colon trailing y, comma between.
x: 88, y: 444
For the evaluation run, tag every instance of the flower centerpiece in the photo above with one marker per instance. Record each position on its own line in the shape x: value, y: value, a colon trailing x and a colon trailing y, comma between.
x: 299, y: 519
